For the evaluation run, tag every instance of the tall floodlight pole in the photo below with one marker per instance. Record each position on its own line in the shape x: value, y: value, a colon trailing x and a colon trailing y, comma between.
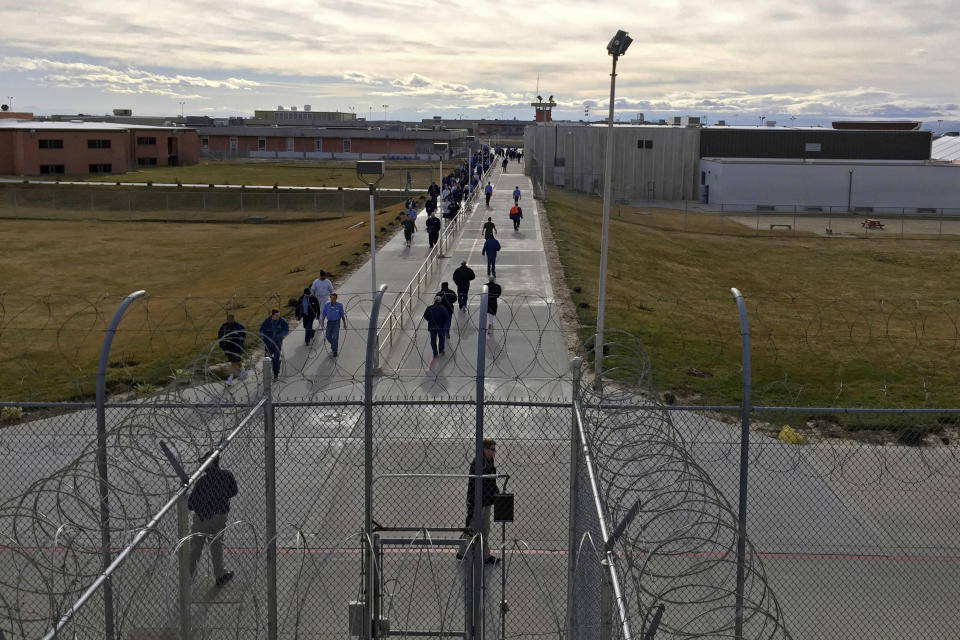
x: 616, y: 48
x: 366, y: 171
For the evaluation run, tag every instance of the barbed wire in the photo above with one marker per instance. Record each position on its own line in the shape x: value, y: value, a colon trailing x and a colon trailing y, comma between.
x: 680, y: 549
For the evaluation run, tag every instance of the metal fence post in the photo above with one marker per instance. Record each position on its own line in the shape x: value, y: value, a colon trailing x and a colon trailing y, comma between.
x: 102, y: 481
x: 371, y: 597
x: 574, y: 491
x: 270, y: 498
x: 606, y: 602
x: 475, y: 629
x: 183, y: 565
x: 744, y: 462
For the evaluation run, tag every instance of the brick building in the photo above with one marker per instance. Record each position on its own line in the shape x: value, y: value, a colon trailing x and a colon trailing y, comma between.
x: 29, y: 147
x: 323, y: 143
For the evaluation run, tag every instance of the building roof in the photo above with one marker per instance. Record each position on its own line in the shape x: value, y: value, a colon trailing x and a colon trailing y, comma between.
x: 37, y: 125
x: 946, y: 148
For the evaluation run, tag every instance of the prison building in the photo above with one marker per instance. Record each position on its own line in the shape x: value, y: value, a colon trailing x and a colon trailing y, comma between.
x: 29, y: 147
x: 325, y: 143
x: 749, y: 167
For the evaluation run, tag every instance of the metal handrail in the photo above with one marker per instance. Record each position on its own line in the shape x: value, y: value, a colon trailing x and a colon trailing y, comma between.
x: 394, y: 318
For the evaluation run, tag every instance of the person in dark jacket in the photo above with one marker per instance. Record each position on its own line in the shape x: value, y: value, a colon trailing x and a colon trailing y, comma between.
x: 232, y: 337
x: 273, y: 330
x: 448, y: 298
x: 210, y: 502
x: 433, y: 190
x: 494, y: 292
x: 488, y: 489
x: 437, y: 318
x: 490, y: 248
x: 462, y: 276
x: 433, y: 229
x: 516, y: 214
x: 516, y: 195
x: 308, y: 310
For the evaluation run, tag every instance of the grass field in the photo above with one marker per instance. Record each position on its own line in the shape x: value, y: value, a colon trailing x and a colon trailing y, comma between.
x: 62, y: 281
x: 834, y: 322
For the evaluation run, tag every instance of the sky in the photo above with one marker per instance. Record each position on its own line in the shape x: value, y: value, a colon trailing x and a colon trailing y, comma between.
x: 814, y: 60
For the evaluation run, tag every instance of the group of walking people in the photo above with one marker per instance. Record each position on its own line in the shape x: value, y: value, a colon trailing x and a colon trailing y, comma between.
x: 317, y: 303
x: 439, y: 315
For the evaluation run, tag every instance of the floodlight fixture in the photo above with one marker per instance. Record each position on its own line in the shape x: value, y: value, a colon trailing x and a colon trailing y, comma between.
x: 619, y: 44
x: 369, y: 168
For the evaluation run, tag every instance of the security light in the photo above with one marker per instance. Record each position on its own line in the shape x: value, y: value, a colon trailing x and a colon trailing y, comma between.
x: 619, y: 44
x: 370, y: 167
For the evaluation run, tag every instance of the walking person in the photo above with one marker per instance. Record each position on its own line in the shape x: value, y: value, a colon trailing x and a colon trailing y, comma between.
x: 504, y: 165
x: 448, y: 298
x: 409, y: 227
x: 273, y: 330
x: 433, y: 229
x: 333, y: 314
x: 462, y: 276
x: 210, y: 502
x: 308, y: 310
x: 516, y: 214
x: 491, y: 247
x: 493, y: 295
x: 488, y: 489
x: 322, y: 288
x: 516, y: 195
x: 232, y: 337
x: 489, y: 228
x: 487, y: 192
x: 437, y: 318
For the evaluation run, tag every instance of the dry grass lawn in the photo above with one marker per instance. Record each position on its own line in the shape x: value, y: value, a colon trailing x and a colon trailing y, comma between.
x: 834, y: 321
x: 62, y: 281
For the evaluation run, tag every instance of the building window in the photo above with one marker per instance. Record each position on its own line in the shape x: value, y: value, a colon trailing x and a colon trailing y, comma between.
x: 51, y: 168
x: 51, y: 144
x: 146, y: 140
x: 261, y: 144
x: 318, y: 144
x: 98, y: 144
x: 204, y: 143
x: 644, y: 144
x: 147, y: 162
x: 346, y: 146
x: 234, y: 143
x: 101, y: 168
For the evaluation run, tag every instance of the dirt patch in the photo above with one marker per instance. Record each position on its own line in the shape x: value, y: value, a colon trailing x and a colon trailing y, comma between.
x: 569, y: 321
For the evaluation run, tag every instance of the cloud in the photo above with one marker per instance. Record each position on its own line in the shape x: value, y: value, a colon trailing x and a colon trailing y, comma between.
x: 129, y: 80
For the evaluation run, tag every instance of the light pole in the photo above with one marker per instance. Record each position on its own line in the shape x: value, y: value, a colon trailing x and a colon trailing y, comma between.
x: 10, y: 102
x: 181, y: 108
x: 762, y: 118
x: 384, y: 111
x: 616, y: 47
x: 366, y: 170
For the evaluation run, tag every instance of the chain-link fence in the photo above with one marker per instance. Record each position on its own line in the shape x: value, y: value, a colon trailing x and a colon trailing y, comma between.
x: 627, y: 512
x: 162, y: 204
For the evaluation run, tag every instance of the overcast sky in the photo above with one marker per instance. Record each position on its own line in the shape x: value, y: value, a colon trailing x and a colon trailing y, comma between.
x: 813, y: 59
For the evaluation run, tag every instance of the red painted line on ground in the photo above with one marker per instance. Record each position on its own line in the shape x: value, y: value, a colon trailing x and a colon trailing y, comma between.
x: 532, y: 552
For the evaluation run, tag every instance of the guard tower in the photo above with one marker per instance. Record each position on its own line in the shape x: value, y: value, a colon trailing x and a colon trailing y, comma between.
x: 544, y: 108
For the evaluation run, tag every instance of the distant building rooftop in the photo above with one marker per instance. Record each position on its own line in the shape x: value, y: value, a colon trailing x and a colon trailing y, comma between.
x: 946, y: 148
x: 76, y: 126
